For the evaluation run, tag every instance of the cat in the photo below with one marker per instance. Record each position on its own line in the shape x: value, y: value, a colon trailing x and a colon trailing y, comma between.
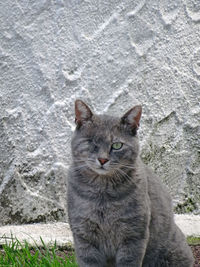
x: 119, y: 212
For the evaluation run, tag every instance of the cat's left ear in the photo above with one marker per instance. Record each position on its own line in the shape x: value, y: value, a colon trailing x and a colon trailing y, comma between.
x: 132, y: 118
x: 82, y: 112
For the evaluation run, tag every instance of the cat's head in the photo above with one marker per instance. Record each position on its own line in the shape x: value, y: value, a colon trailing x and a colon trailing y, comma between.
x: 104, y: 144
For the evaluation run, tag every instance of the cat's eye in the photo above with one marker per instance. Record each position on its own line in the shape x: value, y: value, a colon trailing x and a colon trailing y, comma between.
x: 117, y: 145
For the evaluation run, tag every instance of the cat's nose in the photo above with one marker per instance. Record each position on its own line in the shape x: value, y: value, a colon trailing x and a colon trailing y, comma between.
x: 103, y: 161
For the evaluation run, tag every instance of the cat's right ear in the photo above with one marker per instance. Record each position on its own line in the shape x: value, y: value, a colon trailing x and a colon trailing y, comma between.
x: 82, y: 112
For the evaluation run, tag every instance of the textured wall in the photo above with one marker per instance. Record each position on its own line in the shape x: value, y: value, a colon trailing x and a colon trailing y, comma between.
x: 113, y: 54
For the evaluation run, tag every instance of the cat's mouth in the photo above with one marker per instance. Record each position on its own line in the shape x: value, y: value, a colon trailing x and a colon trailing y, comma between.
x: 99, y: 170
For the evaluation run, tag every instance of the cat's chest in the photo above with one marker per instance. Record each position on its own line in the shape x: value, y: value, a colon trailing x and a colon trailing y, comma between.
x: 104, y: 207
x: 103, y: 218
x: 107, y: 211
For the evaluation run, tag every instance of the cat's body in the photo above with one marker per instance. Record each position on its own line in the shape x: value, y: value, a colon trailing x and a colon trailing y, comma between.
x: 119, y: 212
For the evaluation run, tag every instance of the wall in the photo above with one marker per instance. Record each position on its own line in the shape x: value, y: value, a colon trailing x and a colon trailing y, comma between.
x: 113, y: 54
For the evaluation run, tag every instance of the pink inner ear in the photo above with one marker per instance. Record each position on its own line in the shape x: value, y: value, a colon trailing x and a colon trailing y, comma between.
x: 82, y: 111
x: 133, y: 116
x: 138, y: 110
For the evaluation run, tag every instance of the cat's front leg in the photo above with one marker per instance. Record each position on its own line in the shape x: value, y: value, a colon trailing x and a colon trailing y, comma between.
x: 131, y: 253
x: 87, y: 254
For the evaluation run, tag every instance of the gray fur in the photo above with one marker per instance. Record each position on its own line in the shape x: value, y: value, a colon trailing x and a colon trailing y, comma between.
x: 121, y: 215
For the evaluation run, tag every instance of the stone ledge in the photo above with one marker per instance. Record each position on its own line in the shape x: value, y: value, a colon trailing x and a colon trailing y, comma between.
x: 51, y: 232
x: 189, y: 224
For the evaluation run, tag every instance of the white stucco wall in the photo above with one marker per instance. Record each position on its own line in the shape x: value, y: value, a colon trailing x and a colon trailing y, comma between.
x: 113, y: 54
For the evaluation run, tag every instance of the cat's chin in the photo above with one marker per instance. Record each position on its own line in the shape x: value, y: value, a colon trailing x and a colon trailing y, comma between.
x: 100, y: 171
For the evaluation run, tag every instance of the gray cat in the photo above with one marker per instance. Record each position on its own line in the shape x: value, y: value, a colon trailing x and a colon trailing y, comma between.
x: 119, y: 212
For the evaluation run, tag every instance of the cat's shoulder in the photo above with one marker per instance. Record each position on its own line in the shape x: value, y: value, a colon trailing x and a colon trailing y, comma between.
x: 155, y: 183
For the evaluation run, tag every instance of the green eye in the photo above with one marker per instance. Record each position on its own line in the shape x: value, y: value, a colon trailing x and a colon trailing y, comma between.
x: 117, y: 145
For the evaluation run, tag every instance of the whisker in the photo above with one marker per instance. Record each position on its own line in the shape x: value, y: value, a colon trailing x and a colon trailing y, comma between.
x: 83, y: 160
x: 123, y: 165
x: 113, y: 180
x: 78, y: 168
x: 125, y: 175
x: 78, y: 161
x: 119, y: 176
x: 91, y: 160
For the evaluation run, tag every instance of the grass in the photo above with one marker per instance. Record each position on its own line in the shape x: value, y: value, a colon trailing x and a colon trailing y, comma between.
x: 16, y: 254
x: 193, y: 240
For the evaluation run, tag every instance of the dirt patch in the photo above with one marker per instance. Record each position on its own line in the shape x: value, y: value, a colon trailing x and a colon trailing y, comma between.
x: 196, y: 253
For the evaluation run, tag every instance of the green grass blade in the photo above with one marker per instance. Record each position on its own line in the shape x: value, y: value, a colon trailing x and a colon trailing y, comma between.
x: 17, y: 254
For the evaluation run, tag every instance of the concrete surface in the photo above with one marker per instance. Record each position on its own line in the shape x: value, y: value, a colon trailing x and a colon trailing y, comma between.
x: 32, y: 233
x: 113, y: 54
x: 60, y: 232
